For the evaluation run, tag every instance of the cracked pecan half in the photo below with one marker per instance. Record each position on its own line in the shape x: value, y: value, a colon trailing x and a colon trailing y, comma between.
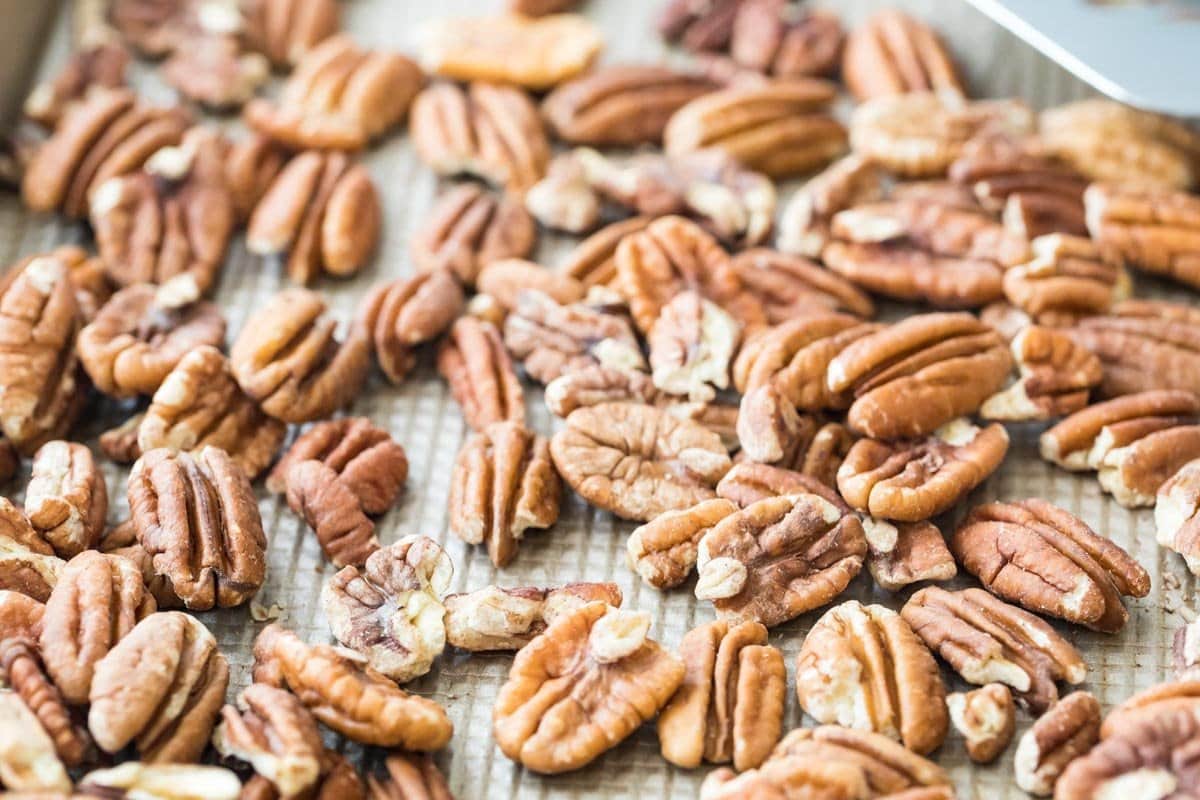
x: 285, y: 30
x: 390, y: 611
x: 729, y: 708
x: 1054, y: 377
x: 778, y: 558
x: 286, y: 358
x: 320, y: 216
x: 66, y: 499
x: 339, y: 97
x: 915, y: 479
x: 1068, y: 274
x: 332, y: 510
x: 1048, y: 560
x: 1175, y: 514
x: 270, y: 729
x: 22, y: 670
x: 663, y: 551
x: 28, y: 761
x: 348, y: 696
x: 405, y: 314
x: 804, y: 224
x: 904, y: 553
x: 581, y: 687
x: 691, y: 346
x: 1156, y: 230
x: 483, y: 381
x: 893, y: 53
x: 1064, y: 733
x: 495, y: 618
x: 101, y: 63
x: 790, y: 286
x: 863, y: 667
x: 503, y: 484
x: 987, y: 640
x: 469, y: 228
x: 985, y: 718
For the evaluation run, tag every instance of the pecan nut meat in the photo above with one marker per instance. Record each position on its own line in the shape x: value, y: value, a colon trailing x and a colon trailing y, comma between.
x: 893, y: 53
x: 21, y: 615
x: 165, y: 781
x: 101, y: 63
x: 1185, y: 652
x: 1055, y: 377
x: 410, y: 774
x: 333, y: 511
x: 748, y: 482
x: 593, y: 260
x: 663, y: 551
x: 699, y: 27
x: 27, y: 561
x: 804, y: 224
x: 1048, y: 560
x: 22, y: 670
x: 637, y: 461
x: 581, y: 688
x: 767, y: 39
x: 503, y: 281
x: 691, y: 346
x: 789, y: 286
x: 285, y: 30
x: 730, y: 706
x: 405, y: 314
x: 904, y: 553
x: 1134, y: 464
x: 494, y: 618
x: 1069, y: 274
x: 1064, y: 733
x: 863, y: 667
x: 778, y: 558
x: 479, y: 369
x: 986, y: 719
x: 270, y: 729
x: 215, y: 72
x: 470, y: 228
x: 66, y: 499
x: 591, y: 386
x: 1175, y: 514
x: 251, y: 166
x: 1155, y: 230
x: 28, y: 761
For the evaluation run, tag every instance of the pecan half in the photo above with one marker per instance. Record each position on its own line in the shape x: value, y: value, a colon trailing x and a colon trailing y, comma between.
x: 1048, y: 560
x: 699, y: 26
x: 863, y: 667
x: 102, y: 63
x: 593, y: 260
x: 22, y: 670
x: 122, y: 540
x: 804, y: 224
x: 391, y: 610
x: 893, y: 53
x: 986, y: 719
x: 1133, y: 464
x: 412, y: 775
x: 215, y: 72
x: 1185, y: 652
x: 27, y: 561
x: 156, y: 29
x: 120, y: 444
x: 987, y: 640
x: 1156, y: 230
x: 21, y: 615
x: 348, y: 696
x: 900, y: 554
x: 482, y: 379
x: 487, y: 130
x: 332, y: 510
x: 663, y: 551
x: 494, y: 618
x: 783, y: 128
x: 594, y: 669
x: 779, y: 557
x: 164, y: 781
x: 28, y: 761
x: 1055, y: 377
x: 1064, y: 733
x: 916, y: 479
x: 251, y: 166
x: 285, y: 30
x: 286, y: 358
x: 404, y: 314
x: 272, y: 730
x: 591, y: 386
x: 747, y: 483
x: 691, y: 345
x: 504, y: 280
x: 320, y: 216
x: 1175, y: 514
x: 637, y: 461
x: 66, y: 500
x: 1069, y: 274
x: 470, y: 228
x: 200, y: 404
x: 768, y: 38
x: 919, y: 374
x: 730, y: 706
x: 1146, y: 703
x: 340, y: 97
x: 790, y: 286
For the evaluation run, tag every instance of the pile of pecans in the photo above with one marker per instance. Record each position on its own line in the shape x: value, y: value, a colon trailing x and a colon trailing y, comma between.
x: 718, y: 369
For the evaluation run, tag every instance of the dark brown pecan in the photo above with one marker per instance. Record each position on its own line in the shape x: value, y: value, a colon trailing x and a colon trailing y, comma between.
x: 663, y: 551
x: 790, y: 286
x: 22, y: 670
x: 1068, y: 274
x: 1054, y: 377
x: 66, y: 499
x: 285, y: 30
x: 495, y: 618
x: 593, y: 260
x: 468, y: 229
x: 272, y: 731
x: 1048, y: 560
x: 1156, y: 230
x: 404, y: 314
x: 251, y: 165
x: 768, y: 38
x: 699, y: 26
x: 848, y: 182
x: 986, y: 719
x: 903, y: 553
x: 482, y: 379
x: 503, y: 484
x: 333, y: 511
x: 1064, y: 733
x: 215, y: 72
x: 893, y: 53
x: 102, y: 63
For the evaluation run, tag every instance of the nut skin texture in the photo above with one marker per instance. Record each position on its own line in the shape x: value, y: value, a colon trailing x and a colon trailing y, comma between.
x: 906, y: 553
x: 66, y: 499
x: 333, y: 511
x: 1148, y: 702
x: 410, y: 776
x: 914, y: 480
x: 893, y: 53
x: 482, y: 379
x: 1055, y: 377
x: 272, y: 730
x: 637, y: 461
x: 200, y: 404
x: 698, y: 27
x: 161, y: 687
x: 1175, y: 514
x: 22, y: 670
x: 340, y: 781
x: 286, y: 358
x: 98, y: 599
x: 1067, y: 273
x: 778, y: 558
x: 663, y: 551
x: 391, y: 610
x: 789, y: 285
x: 1155, y: 230
x: 365, y: 457
x: 197, y: 518
x: 494, y: 618
x: 567, y: 699
x: 470, y: 228
x: 165, y: 781
x: 28, y: 761
x: 985, y: 718
x: 986, y: 639
x: 730, y: 705
x: 863, y: 667
x: 403, y: 315
x: 1047, y: 560
x: 504, y: 483
x: 1064, y: 733
x: 285, y: 30
x: 27, y: 561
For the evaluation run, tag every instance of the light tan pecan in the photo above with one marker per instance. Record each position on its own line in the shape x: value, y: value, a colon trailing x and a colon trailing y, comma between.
x: 332, y: 510
x: 919, y: 374
x: 1064, y: 733
x: 470, y: 228
x: 987, y: 640
x: 286, y: 358
x: 28, y: 761
x: 915, y: 479
x: 251, y: 165
x: 109, y: 134
x: 164, y: 781
x: 347, y: 695
x: 985, y: 718
x: 22, y: 670
x: 1048, y: 560
x: 790, y: 286
x: 474, y: 361
x: 320, y: 216
x: 270, y: 729
x: 390, y: 611
x: 21, y: 615
x: 495, y: 618
x: 663, y: 551
x: 87, y: 275
x: 285, y: 30
x: 893, y: 53
x: 503, y: 484
x: 413, y: 775
x: 768, y: 38
x: 340, y: 97
x: 730, y: 706
x: 1154, y: 229
x: 593, y: 260
x: 581, y: 688
x: 365, y: 457
x: 778, y: 558
x: 691, y: 346
x: 1185, y: 652
x: 863, y: 667
x: 155, y: 29
x: 637, y: 461
x: 403, y: 315
x: 27, y: 561
x: 1054, y: 378
x: 1068, y: 274
x: 102, y: 63
x: 66, y: 499
x: 214, y: 71
x: 505, y: 279
x: 1175, y: 514
x: 699, y: 27
x: 487, y: 130
x: 783, y: 128
x: 903, y: 553
x: 849, y: 181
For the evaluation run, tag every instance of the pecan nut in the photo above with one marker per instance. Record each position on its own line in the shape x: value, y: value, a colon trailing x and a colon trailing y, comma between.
x: 1064, y: 733
x: 470, y: 228
x: 348, y: 696
x: 893, y: 53
x: 272, y: 731
x: 482, y: 379
x: 21, y: 668
x: 495, y: 618
x: 215, y: 72
x: 849, y: 181
x: 286, y: 358
x: 21, y: 615
x: 863, y: 667
x: 122, y: 540
x: 285, y: 30
x: 730, y: 705
x: 391, y: 610
x: 593, y: 668
x: 1175, y: 514
x: 102, y: 63
x: 504, y: 280
x: 332, y: 510
x: 904, y: 553
x: 160, y: 687
x: 986, y: 719
x: 664, y: 550
x: 1134, y: 464
x: 593, y: 260
x: 66, y: 500
x: 28, y: 761
x: 27, y: 561
x: 691, y: 346
x: 411, y: 774
x: 165, y: 781
x: 766, y: 38
x: 251, y: 166
x: 120, y: 444
x: 790, y: 286
x: 1185, y: 652
x: 637, y: 461
x: 699, y: 27
x: 1069, y: 274
x: 988, y: 640
x: 404, y: 314
x: 1156, y: 230
x: 1055, y: 377
x: 778, y: 558
x: 1048, y: 560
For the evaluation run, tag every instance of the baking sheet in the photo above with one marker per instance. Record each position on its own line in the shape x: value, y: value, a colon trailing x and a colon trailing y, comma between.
x: 587, y: 544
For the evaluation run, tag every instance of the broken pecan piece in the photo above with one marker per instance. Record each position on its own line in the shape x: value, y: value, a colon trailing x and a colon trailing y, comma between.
x: 1069, y: 274
x: 22, y: 670
x: 1082, y: 440
x: 163, y: 781
x: 66, y: 500
x: 849, y: 181
x: 469, y: 228
x: 986, y: 719
x: 404, y: 314
x: 1156, y: 230
x: 1055, y: 377
x: 903, y: 553
x: 1048, y: 560
x: 272, y: 730
x: 285, y: 30
x: 495, y: 618
x: 691, y: 346
x: 28, y: 761
x: 789, y: 286
x: 332, y: 510
x: 593, y: 669
x: 893, y: 53
x: 663, y: 551
x: 1175, y: 514
x: 474, y: 361
x: 1064, y: 733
